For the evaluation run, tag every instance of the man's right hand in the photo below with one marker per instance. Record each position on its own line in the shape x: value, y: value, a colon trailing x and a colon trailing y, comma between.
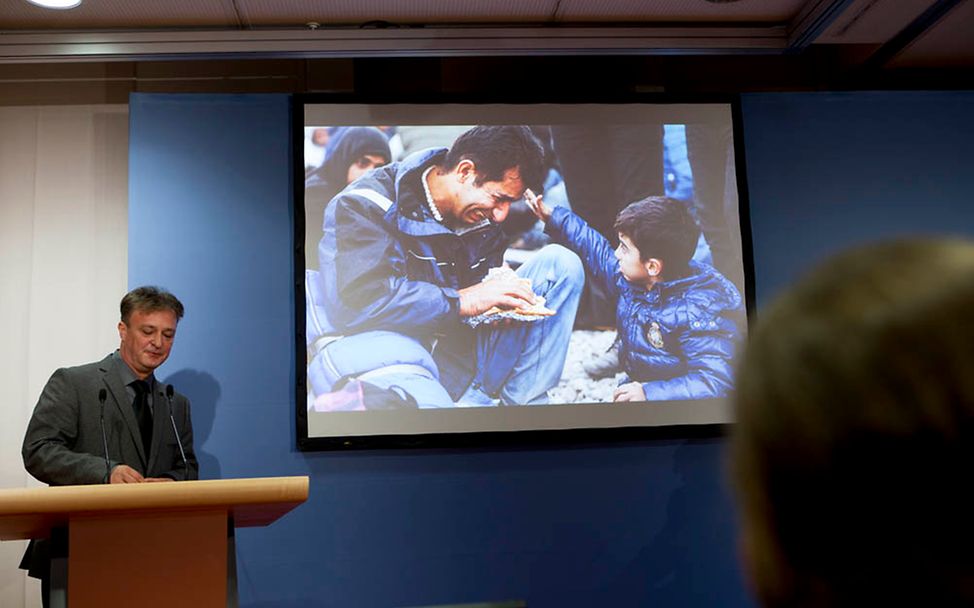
x: 123, y: 473
x: 506, y: 292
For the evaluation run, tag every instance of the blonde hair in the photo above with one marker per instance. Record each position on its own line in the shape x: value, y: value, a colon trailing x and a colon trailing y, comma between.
x: 854, y: 443
x: 149, y: 298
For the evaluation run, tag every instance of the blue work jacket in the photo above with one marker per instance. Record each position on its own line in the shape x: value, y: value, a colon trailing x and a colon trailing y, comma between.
x: 387, y: 264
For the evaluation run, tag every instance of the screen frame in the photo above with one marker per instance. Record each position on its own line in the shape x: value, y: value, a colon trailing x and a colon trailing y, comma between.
x: 517, y: 438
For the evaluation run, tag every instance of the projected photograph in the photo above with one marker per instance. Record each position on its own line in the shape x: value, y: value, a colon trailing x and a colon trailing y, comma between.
x: 519, y: 267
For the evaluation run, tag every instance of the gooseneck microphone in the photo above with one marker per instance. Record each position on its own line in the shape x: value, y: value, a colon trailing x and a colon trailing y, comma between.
x: 102, y: 395
x: 179, y: 442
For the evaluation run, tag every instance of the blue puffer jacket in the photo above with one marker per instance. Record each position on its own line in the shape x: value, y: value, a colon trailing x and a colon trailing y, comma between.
x: 678, y: 337
x: 386, y: 264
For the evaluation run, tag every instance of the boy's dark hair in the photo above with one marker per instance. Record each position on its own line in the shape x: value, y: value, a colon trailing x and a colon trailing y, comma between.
x: 661, y: 227
x: 495, y: 149
x: 149, y: 299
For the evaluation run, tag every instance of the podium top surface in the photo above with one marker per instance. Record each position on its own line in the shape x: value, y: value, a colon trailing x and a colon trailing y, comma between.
x: 32, y: 512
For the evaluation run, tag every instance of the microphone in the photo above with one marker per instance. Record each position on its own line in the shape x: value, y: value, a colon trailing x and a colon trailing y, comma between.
x: 182, y: 453
x: 102, y: 395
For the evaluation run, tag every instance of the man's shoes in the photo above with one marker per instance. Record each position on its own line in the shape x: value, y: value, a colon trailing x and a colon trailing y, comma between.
x: 605, y: 365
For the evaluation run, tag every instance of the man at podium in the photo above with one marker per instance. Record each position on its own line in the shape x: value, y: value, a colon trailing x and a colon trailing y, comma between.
x: 111, y: 421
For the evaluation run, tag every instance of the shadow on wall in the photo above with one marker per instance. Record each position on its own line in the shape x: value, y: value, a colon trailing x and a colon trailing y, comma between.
x: 676, y: 568
x: 203, y: 392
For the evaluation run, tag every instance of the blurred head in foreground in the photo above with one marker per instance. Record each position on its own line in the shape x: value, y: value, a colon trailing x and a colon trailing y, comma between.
x: 853, y: 452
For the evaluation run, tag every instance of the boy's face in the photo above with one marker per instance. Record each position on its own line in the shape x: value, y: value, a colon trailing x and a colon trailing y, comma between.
x: 633, y: 269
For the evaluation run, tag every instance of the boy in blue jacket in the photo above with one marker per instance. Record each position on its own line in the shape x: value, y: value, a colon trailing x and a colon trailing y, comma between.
x: 676, y: 318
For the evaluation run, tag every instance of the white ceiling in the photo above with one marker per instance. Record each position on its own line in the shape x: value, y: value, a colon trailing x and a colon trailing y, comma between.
x: 900, y: 33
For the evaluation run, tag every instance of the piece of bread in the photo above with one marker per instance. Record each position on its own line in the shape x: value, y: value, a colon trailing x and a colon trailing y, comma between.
x: 529, y: 312
x: 537, y: 309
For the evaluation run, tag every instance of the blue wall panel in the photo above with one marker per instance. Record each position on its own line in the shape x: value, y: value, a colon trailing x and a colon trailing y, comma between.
x: 621, y: 525
x: 828, y: 170
x: 639, y: 523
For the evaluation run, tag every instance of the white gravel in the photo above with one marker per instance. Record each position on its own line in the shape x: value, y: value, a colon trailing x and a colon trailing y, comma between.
x: 576, y: 386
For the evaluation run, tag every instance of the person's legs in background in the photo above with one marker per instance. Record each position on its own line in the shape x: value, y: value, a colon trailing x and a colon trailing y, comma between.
x: 710, y: 148
x: 604, y: 169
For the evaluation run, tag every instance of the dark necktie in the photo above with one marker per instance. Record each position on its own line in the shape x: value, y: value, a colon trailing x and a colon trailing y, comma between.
x: 142, y: 414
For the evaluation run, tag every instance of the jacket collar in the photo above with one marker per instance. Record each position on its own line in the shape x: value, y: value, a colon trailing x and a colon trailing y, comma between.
x: 413, y: 216
x: 703, y: 278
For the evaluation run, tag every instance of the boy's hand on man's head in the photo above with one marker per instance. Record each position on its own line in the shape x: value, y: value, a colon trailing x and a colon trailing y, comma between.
x: 632, y: 391
x: 541, y: 211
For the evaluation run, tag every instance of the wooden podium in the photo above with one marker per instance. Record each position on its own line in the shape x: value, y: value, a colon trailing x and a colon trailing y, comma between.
x: 148, y: 544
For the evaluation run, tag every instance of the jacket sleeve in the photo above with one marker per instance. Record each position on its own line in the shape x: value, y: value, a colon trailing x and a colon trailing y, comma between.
x: 594, y: 249
x: 184, y: 422
x: 52, y: 432
x: 369, y: 287
x: 708, y: 346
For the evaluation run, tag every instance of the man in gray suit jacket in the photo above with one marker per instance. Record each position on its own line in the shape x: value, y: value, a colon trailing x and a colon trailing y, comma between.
x: 64, y: 443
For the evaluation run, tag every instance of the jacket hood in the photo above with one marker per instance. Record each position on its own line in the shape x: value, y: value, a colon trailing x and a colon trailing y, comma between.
x: 347, y: 145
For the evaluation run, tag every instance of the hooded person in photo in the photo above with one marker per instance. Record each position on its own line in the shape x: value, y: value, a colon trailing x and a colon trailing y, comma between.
x: 351, y: 152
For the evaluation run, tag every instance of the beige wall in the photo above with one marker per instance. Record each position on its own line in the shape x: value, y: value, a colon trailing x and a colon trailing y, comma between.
x: 63, y: 268
x: 64, y: 223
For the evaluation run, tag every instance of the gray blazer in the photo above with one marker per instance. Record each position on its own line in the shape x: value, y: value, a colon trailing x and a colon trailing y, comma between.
x: 63, y: 444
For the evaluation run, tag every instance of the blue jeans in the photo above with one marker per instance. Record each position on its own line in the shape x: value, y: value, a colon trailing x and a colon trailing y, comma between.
x: 516, y: 363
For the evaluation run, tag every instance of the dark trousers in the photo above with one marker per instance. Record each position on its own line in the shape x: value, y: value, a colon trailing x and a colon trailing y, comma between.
x: 46, y: 558
x: 710, y: 149
x: 605, y: 168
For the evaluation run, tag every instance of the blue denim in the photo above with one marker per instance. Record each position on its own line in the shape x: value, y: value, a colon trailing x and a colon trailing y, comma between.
x: 517, y: 362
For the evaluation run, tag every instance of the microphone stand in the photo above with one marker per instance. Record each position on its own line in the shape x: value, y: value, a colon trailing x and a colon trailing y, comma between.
x: 179, y: 442
x: 102, y: 396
